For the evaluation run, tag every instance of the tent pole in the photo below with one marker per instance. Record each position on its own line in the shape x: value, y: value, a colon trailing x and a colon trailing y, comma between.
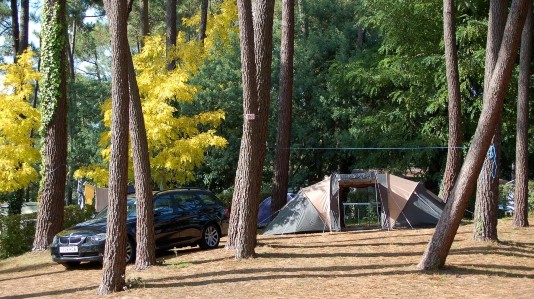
x: 386, y: 218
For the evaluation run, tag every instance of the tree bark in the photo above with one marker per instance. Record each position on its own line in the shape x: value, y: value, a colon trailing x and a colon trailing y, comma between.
x: 145, y: 26
x: 203, y: 20
x: 172, y: 32
x: 438, y: 248
x: 282, y: 153
x: 521, y: 158
x: 24, y: 25
x: 53, y: 124
x: 256, y: 57
x: 487, y: 195
x: 114, y: 257
x: 454, y: 153
x: 70, y: 47
x: 487, y: 200
x: 360, y: 37
x: 146, y: 246
x: 15, y: 28
x: 303, y: 20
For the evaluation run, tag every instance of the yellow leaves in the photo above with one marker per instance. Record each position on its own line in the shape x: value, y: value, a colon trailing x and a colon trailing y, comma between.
x: 177, y: 143
x: 19, y: 77
x: 17, y: 120
x: 98, y: 174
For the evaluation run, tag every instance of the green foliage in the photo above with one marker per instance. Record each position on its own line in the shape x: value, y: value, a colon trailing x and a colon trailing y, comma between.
x: 17, y: 231
x: 16, y: 234
x: 134, y: 283
x: 219, y: 79
x: 506, y: 194
x: 52, y: 57
x: 74, y: 215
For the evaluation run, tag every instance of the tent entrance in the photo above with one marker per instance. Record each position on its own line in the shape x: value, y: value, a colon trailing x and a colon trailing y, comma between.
x: 361, y: 207
x: 358, y: 200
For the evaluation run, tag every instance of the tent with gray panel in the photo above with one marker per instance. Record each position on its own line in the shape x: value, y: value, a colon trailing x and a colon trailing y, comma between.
x: 404, y: 203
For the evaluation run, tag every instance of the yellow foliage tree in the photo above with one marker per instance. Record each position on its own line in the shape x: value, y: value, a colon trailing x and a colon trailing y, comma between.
x: 177, y: 143
x: 18, y: 119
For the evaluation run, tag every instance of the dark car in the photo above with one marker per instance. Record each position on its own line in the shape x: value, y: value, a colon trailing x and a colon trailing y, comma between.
x: 182, y: 217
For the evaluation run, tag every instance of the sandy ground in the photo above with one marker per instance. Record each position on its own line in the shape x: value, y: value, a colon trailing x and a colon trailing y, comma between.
x: 352, y: 264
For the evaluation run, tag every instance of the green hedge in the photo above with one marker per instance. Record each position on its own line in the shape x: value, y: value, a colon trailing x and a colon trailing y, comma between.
x: 17, y: 231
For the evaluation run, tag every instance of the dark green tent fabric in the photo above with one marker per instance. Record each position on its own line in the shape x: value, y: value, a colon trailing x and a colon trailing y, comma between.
x: 298, y: 215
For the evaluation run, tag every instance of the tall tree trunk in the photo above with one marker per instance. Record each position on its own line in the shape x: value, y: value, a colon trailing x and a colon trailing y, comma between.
x: 146, y: 246
x: 170, y: 19
x: 115, y: 251
x: 486, y: 213
x: 72, y: 104
x: 24, y: 25
x: 521, y: 156
x: 282, y: 153
x: 53, y: 124
x: 487, y: 196
x: 360, y: 37
x: 303, y: 19
x: 145, y: 26
x: 454, y: 153
x: 440, y: 244
x: 256, y: 57
x: 203, y: 20
x: 15, y: 28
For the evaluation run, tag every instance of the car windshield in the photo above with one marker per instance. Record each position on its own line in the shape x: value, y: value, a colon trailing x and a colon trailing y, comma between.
x: 130, y: 209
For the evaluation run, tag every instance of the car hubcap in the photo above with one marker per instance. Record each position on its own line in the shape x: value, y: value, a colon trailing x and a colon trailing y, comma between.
x: 128, y: 251
x: 211, y: 235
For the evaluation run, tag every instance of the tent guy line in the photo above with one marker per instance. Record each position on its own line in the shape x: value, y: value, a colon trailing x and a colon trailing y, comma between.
x: 373, y: 148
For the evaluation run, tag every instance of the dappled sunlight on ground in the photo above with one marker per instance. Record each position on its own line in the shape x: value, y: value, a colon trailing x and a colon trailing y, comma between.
x: 352, y: 264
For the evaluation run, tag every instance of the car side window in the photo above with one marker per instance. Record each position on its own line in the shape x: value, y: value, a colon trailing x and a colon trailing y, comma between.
x: 207, y: 199
x: 188, y: 201
x: 178, y: 200
x: 163, y: 204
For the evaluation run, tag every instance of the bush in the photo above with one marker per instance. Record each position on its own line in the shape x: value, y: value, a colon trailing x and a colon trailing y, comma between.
x: 17, y: 231
x: 507, y: 195
x: 74, y: 215
x: 16, y: 234
x: 531, y: 196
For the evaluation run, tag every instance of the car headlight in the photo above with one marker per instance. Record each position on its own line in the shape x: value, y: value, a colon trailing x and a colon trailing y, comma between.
x: 97, y: 238
x: 54, y: 241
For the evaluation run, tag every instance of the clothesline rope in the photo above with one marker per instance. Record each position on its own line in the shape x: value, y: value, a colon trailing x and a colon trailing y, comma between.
x: 373, y: 148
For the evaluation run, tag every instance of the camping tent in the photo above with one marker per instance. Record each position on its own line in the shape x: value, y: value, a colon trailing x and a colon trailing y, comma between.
x: 264, y: 211
x: 317, y: 207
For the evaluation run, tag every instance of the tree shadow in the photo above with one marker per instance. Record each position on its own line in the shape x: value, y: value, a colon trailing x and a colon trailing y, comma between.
x: 284, y: 273
x: 30, y: 276
x: 488, y: 270
x: 278, y: 255
x: 512, y: 252
x: 64, y: 292
x: 27, y: 268
x: 347, y: 245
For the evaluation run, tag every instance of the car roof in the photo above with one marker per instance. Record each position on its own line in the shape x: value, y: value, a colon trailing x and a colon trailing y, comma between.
x: 181, y: 190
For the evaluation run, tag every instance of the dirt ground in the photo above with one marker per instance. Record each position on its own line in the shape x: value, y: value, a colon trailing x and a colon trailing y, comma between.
x: 352, y: 264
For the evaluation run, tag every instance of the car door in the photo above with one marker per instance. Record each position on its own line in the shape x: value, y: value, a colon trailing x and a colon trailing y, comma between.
x: 193, y: 221
x: 165, y: 221
x: 187, y: 216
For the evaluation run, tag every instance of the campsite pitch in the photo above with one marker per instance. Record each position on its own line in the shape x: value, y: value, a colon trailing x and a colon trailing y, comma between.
x: 352, y: 264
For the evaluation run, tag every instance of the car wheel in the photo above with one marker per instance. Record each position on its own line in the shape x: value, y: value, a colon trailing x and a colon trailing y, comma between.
x: 130, y: 251
x: 71, y: 265
x: 211, y: 235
